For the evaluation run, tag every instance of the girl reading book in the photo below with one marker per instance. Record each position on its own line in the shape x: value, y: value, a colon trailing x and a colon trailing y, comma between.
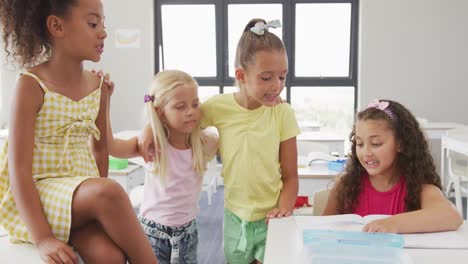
x: 390, y: 171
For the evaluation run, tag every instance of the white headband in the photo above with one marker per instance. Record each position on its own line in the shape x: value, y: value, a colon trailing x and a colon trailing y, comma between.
x: 260, y: 27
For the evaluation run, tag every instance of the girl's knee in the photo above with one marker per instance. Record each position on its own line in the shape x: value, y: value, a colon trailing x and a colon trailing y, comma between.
x: 106, y: 254
x: 108, y: 191
x: 116, y: 256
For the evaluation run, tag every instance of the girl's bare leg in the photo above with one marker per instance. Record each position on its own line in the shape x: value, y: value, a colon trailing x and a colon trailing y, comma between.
x: 104, y: 201
x: 95, y: 246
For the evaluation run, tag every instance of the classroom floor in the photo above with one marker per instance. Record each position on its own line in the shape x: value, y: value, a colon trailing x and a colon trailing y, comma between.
x: 210, y: 228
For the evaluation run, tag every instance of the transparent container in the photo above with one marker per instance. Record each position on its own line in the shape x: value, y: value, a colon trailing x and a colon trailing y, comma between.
x: 349, y: 247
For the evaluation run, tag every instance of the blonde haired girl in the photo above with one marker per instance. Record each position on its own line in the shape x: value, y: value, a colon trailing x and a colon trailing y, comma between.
x: 172, y: 190
x: 160, y: 94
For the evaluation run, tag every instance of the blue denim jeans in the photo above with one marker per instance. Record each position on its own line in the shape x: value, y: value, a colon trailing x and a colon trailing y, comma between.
x: 172, y: 245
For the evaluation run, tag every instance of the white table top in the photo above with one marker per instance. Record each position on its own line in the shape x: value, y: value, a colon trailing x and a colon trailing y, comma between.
x: 459, y: 135
x: 124, y: 172
x: 321, y: 136
x: 3, y: 133
x: 316, y: 172
x: 439, y: 125
x: 126, y: 134
x: 283, y: 246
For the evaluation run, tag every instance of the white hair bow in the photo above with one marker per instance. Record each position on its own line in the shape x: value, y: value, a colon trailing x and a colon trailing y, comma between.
x: 260, y: 27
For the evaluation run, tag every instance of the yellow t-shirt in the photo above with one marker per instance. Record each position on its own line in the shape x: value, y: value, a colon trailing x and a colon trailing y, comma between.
x: 249, y: 147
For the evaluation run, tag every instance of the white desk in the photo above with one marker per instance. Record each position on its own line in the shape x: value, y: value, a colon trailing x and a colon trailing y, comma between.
x: 435, y: 130
x: 283, y: 246
x: 130, y: 177
x: 3, y: 135
x: 315, y: 178
x: 309, y: 126
x: 333, y: 141
x: 133, y: 175
x: 453, y: 142
x: 457, y: 143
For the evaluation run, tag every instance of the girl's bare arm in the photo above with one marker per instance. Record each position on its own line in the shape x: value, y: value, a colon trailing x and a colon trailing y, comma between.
x: 99, y: 147
x: 120, y: 148
x: 27, y: 102
x: 436, y: 214
x: 288, y: 196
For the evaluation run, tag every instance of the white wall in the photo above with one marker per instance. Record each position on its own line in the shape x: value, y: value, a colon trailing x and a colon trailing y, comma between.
x: 8, y: 78
x: 416, y: 52
x: 131, y: 69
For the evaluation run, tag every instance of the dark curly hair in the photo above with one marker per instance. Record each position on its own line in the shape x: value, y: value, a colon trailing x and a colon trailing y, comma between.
x: 414, y: 160
x: 25, y: 33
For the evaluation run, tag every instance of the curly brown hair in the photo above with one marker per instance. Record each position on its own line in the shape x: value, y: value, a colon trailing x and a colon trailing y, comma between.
x: 27, y: 40
x: 414, y: 160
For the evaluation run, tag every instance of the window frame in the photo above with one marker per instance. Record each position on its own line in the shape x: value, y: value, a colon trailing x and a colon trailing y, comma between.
x: 222, y: 77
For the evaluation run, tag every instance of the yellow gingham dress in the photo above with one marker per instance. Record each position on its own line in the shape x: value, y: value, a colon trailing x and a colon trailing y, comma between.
x: 62, y: 160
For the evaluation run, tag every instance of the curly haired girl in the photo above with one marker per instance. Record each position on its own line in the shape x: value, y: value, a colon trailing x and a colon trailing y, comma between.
x: 390, y: 171
x: 50, y: 190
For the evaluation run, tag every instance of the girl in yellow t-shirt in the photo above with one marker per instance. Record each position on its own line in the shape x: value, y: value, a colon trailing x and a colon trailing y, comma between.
x: 257, y: 143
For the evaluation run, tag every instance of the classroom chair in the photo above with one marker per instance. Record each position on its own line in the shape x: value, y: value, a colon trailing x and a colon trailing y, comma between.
x: 457, y: 170
x: 320, y: 201
x: 210, y: 179
x: 458, y: 178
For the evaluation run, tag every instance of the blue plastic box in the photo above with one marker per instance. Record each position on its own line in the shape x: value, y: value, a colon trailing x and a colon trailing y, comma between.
x: 349, y: 247
x: 337, y: 165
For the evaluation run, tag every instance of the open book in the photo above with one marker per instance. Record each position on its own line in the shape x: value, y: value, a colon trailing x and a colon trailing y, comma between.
x: 345, y: 222
x: 353, y: 222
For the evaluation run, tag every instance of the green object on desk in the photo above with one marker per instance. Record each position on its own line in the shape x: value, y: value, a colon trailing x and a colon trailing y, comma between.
x: 117, y: 164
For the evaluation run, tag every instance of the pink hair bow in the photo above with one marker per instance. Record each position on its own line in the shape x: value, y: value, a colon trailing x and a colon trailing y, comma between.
x: 378, y: 104
x: 382, y: 105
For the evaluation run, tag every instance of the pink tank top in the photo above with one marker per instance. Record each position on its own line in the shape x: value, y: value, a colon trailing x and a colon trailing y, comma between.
x: 176, y: 203
x: 371, y: 201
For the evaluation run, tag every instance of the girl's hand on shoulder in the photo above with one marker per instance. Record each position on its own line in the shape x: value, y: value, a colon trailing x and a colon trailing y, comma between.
x: 53, y: 250
x: 107, y: 81
x: 385, y: 225
x: 278, y: 213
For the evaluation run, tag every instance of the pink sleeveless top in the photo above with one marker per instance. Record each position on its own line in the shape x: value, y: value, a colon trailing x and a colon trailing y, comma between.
x: 175, y: 203
x: 371, y: 201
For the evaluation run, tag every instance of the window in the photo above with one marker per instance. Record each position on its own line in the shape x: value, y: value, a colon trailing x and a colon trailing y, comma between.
x: 200, y: 37
x: 189, y: 38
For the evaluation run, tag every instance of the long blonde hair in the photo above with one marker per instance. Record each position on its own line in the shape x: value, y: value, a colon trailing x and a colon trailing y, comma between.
x: 163, y: 86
